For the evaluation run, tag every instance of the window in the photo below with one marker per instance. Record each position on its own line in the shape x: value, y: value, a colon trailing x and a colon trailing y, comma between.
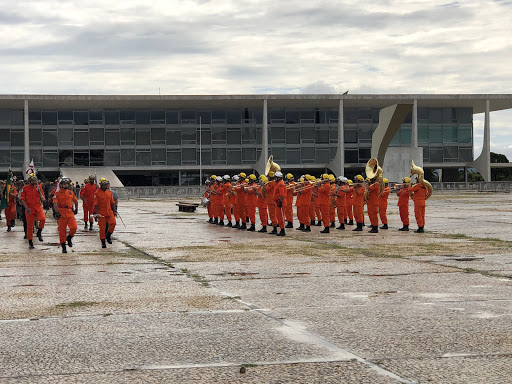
x: 188, y: 155
x: 206, y: 157
x: 127, y: 137
x: 17, y: 138
x: 127, y: 117
x: 435, y: 134
x: 65, y: 136
x: 406, y: 135
x: 17, y: 158
x: 292, y: 117
x: 5, y: 135
x: 365, y: 133
x: 65, y: 158
x: 18, y: 118
x: 307, y: 134
x: 127, y: 156
x: 464, y: 115
x: 436, y: 154
x: 307, y: 154
x: 157, y: 117
x: 206, y: 136
x: 81, y: 159
x: 96, y: 117
x: 143, y: 157
x: 451, y: 153
x: 292, y: 136
x: 234, y: 137
x: 157, y: 135
x: 248, y: 135
x: 158, y: 156
x: 188, y: 135
x: 37, y: 156
x: 50, y: 138
x: 112, y: 118
x: 4, y: 117
x: 277, y: 116
x: 174, y: 157
x: 350, y: 136
x: 423, y: 134
x: 449, y: 134
x: 143, y: 117
x: 333, y: 134
x: 5, y: 158
x: 465, y: 135
x: 204, y: 118
x: 278, y: 134
x: 65, y: 117
x: 173, y: 137
x: 97, y: 136
x: 96, y: 157
x: 322, y: 155
x: 112, y: 158
x: 188, y: 117
x: 50, y: 159
x: 234, y: 157
x: 172, y: 117
x: 218, y: 155
x: 364, y: 154
x: 465, y: 154
x: 307, y: 116
x: 293, y: 156
x: 81, y: 117
x: 49, y: 118
x: 218, y: 135
x: 142, y: 136
x: 248, y: 155
x: 82, y: 138
x: 322, y: 136
x: 218, y: 117
x: 234, y: 117
x: 34, y: 117
x: 112, y: 137
x: 35, y: 136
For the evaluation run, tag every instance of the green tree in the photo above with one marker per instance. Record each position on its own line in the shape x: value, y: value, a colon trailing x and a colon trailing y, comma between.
x: 500, y: 174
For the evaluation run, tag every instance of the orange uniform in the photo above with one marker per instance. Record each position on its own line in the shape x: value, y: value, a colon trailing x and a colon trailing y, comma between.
x: 10, y: 210
x: 303, y: 202
x: 251, y: 201
x: 271, y: 204
x: 261, y: 202
x: 104, y: 201
x: 383, y: 205
x: 419, y: 198
x: 280, y: 202
x: 32, y: 195
x: 358, y: 202
x: 341, y: 201
x: 323, y: 202
x: 349, y: 213
x: 373, y: 204
x: 226, y: 200
x: 87, y: 195
x: 403, y: 204
x: 332, y: 204
x: 289, y: 202
x: 65, y: 199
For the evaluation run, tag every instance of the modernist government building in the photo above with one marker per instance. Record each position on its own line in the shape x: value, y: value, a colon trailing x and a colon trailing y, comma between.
x: 179, y: 140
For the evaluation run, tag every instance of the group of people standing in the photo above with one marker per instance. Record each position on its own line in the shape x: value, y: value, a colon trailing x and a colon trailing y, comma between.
x: 318, y: 202
x: 99, y: 203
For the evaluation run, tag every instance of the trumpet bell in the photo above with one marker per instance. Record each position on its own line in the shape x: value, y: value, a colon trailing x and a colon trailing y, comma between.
x: 271, y: 166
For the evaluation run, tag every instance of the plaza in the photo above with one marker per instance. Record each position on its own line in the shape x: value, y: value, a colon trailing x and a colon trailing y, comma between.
x: 176, y: 299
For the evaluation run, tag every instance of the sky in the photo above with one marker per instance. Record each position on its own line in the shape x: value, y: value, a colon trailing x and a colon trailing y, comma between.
x: 195, y: 47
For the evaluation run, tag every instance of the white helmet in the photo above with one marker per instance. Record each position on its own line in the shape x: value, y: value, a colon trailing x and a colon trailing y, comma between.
x: 226, y: 177
x: 343, y: 179
x: 278, y: 174
x: 236, y: 177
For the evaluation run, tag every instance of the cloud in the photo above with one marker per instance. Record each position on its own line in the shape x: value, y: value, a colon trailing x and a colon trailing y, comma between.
x: 319, y: 86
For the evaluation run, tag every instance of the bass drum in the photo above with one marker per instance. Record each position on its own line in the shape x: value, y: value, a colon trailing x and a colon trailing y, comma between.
x: 205, y: 202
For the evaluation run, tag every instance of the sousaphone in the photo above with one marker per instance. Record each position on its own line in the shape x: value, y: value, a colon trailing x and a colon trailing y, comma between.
x: 373, y: 170
x: 271, y: 166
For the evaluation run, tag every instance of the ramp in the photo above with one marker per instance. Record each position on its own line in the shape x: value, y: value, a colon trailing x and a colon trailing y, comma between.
x: 79, y: 174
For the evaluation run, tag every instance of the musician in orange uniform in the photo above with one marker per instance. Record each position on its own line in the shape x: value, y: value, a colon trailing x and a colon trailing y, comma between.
x: 324, y: 201
x: 261, y: 202
x: 31, y: 198
x: 105, y: 211
x: 87, y: 195
x: 318, y: 209
x: 383, y: 205
x: 289, y: 200
x: 349, y: 207
x: 358, y: 201
x: 207, y: 195
x: 303, y: 205
x: 311, y: 209
x: 280, y: 201
x: 65, y: 204
x: 251, y: 199
x: 242, y: 204
x: 373, y: 205
x: 10, y: 210
x: 235, y: 200
x: 216, y: 200
x: 271, y: 204
x: 226, y: 199
x: 341, y: 200
x: 419, y: 197
x: 402, y: 192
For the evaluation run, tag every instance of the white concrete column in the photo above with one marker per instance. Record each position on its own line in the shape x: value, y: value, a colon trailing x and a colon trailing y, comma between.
x: 264, y: 137
x: 337, y: 165
x: 414, y: 136
x: 486, y: 148
x: 26, y: 156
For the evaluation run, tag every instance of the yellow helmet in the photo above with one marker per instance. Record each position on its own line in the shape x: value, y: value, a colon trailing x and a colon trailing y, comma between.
x: 213, y: 177
x: 103, y: 181
x: 359, y: 178
x: 32, y: 176
x: 252, y: 177
x: 350, y: 181
x: 301, y: 179
x: 243, y: 175
x: 263, y: 178
x: 332, y: 178
x: 270, y: 173
x: 312, y: 178
x: 246, y: 180
x: 406, y: 179
x: 289, y: 176
x: 325, y: 176
x: 386, y: 181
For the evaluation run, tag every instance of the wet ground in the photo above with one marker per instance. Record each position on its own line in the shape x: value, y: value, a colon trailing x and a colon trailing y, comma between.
x: 175, y: 299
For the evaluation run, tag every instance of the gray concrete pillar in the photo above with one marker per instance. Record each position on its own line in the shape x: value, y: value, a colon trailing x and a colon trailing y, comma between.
x: 483, y: 162
x: 26, y: 155
x: 414, y: 136
x: 337, y: 165
x: 262, y: 161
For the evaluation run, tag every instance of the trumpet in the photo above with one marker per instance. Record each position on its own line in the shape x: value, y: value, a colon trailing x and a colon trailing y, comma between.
x: 310, y: 185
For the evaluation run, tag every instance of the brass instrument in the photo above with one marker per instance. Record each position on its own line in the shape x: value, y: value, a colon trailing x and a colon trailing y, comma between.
x: 310, y: 185
x: 415, y: 170
x: 373, y: 170
x: 271, y: 166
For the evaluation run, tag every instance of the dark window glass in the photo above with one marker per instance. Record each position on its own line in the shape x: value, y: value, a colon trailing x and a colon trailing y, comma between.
x: 435, y: 135
x: 435, y: 115
x: 4, y: 117
x: 17, y: 158
x: 307, y: 154
x: 172, y: 117
x: 465, y: 154
x: 111, y: 118
x: 249, y: 155
x: 307, y: 133
x: 81, y: 117
x: 50, y: 138
x: 351, y: 156
x: 234, y: 137
x: 307, y: 116
x: 322, y: 136
x: 49, y: 118
x: 333, y: 134
x: 65, y: 135
x: 158, y: 135
x: 350, y: 136
x: 82, y: 138
x: 451, y: 152
x: 157, y: 117
x: 127, y: 116
x: 219, y: 155
x: 158, y: 155
x: 292, y: 136
x: 65, y: 158
x: 95, y: 117
x: 364, y: 132
x: 173, y: 137
x: 292, y: 117
x: 142, y: 136
x: 405, y: 135
x: 174, y: 157
x: 218, y: 135
x: 18, y: 118
x: 50, y: 159
x: 5, y: 158
x: 234, y: 117
x: 143, y: 117
x: 322, y: 155
x: 188, y: 135
x: 35, y: 135
x: 34, y: 117
x: 17, y: 138
x: 127, y: 137
x: 37, y: 156
x: 423, y: 134
x: 450, y: 134
x: 204, y: 117
x: 234, y: 157
x: 350, y: 115
x: 188, y: 117
x: 321, y: 117
x: 127, y: 156
x: 219, y: 115
x: 465, y: 115
x: 333, y: 117
x: 279, y: 153
x: 278, y: 134
x: 465, y: 135
x: 206, y: 136
x: 112, y: 158
x: 81, y: 159
x: 277, y: 116
x: 97, y: 135
x: 293, y: 156
x: 97, y: 156
x: 142, y: 158
x: 248, y: 135
x: 188, y: 155
x: 436, y: 155
x: 65, y: 116
x: 5, y: 135
x: 447, y: 115
x: 206, y: 157
x: 112, y: 137
x: 364, y: 154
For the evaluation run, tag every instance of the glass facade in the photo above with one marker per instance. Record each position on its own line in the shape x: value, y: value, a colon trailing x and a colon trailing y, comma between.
x: 227, y: 137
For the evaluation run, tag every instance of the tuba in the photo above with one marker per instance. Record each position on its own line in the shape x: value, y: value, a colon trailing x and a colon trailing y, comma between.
x: 374, y: 171
x: 415, y: 170
x: 271, y: 166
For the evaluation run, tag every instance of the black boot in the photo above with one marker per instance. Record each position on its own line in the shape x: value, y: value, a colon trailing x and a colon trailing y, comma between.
x: 384, y: 226
x: 307, y: 229
x: 375, y: 229
x: 13, y: 222
x: 359, y: 227
x: 333, y: 224
x: 109, y: 237
x: 312, y: 222
x: 345, y: 221
x: 281, y: 233
x: 63, y: 245
x: 351, y: 222
x: 221, y: 223
x: 70, y: 243
x: 229, y: 225
x: 103, y: 244
x: 404, y: 228
x: 252, y: 228
x: 237, y: 225
x: 326, y: 230
x: 342, y: 226
x: 419, y: 230
x: 39, y: 235
x: 274, y: 231
x: 30, y: 244
x: 216, y: 221
x: 289, y: 224
x: 85, y: 226
x: 300, y: 228
x: 318, y: 223
x: 8, y: 228
x: 90, y: 225
x: 243, y: 226
x: 211, y: 220
x: 263, y: 229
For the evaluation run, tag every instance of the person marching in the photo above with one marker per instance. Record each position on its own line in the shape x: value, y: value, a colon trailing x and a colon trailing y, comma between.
x: 251, y: 201
x: 419, y: 197
x: 63, y: 203
x: 207, y: 199
x: 290, y: 186
x: 332, y: 205
x: 303, y: 205
x: 262, y: 203
x: 105, y: 211
x: 235, y: 199
x: 31, y: 198
x: 383, y: 205
x: 324, y: 201
x: 242, y: 203
x: 341, y: 200
x: 358, y: 201
x: 10, y: 209
x: 271, y: 204
x: 226, y: 199
x: 349, y: 207
x: 372, y: 204
x: 280, y: 201
x: 87, y: 195
x: 402, y: 192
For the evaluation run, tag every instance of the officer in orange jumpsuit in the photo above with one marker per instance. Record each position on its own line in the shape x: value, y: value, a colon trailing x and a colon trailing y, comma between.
x: 226, y: 199
x: 10, y: 210
x: 341, y: 200
x: 316, y: 205
x: 261, y: 202
x: 349, y: 207
x: 242, y: 203
x: 87, y: 195
x: 332, y: 205
x: 251, y: 198
x: 373, y: 205
x: 280, y: 201
x: 105, y: 211
x: 419, y: 194
x: 216, y: 199
x: 324, y: 201
x: 303, y: 205
x: 31, y: 197
x: 358, y: 202
x: 383, y: 205
x: 234, y: 200
x: 289, y: 200
x: 271, y: 204
x: 402, y: 192
x: 65, y: 204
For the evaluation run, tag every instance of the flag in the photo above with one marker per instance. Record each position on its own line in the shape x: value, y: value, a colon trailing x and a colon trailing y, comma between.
x: 30, y: 168
x: 7, y: 189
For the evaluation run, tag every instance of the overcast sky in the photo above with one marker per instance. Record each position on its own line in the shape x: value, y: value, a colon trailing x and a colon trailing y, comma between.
x: 261, y: 46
